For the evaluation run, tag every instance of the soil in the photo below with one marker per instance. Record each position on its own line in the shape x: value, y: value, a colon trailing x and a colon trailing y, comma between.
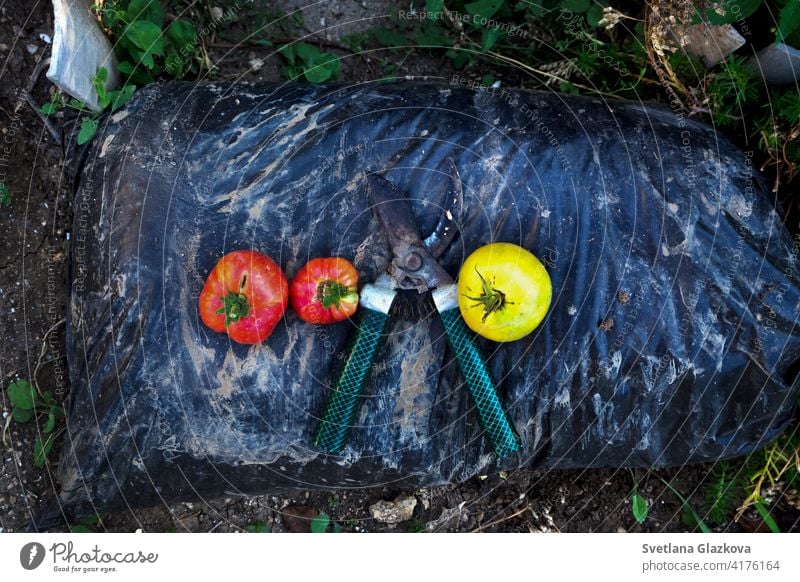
x: 33, y: 294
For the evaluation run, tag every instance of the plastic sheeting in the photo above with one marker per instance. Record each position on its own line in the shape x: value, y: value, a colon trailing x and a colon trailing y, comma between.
x: 671, y: 338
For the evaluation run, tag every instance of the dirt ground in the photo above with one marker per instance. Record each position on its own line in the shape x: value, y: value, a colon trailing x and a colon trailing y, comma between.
x: 34, y: 246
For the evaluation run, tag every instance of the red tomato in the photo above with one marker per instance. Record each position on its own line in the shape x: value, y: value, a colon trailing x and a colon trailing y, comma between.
x: 325, y: 290
x: 245, y: 295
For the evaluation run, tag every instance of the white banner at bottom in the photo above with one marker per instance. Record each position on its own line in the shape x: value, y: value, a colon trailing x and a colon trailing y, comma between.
x: 402, y: 557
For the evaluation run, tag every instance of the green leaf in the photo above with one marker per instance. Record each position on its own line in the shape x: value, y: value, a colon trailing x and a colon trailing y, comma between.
x: 146, y: 36
x: 5, y: 196
x: 577, y: 6
x: 483, y: 9
x: 42, y: 449
x: 355, y: 41
x: 460, y: 58
x: 594, y: 15
x: 136, y: 75
x: 50, y: 424
x: 433, y: 36
x: 323, y: 71
x: 487, y: 80
x: 389, y: 38
x: 490, y: 38
x: 49, y: 108
x: 21, y: 414
x: 22, y: 394
x: 433, y: 8
x: 732, y: 10
x: 173, y: 63
x: 258, y: 527
x: 288, y: 53
x: 690, y: 513
x: 182, y: 34
x: 121, y: 97
x: 307, y: 53
x: 788, y: 20
x: 47, y: 398
x: 320, y: 523
x: 145, y: 10
x: 768, y: 519
x: 639, y: 507
x: 125, y: 68
x: 93, y: 519
x: 101, y: 77
x: 88, y: 129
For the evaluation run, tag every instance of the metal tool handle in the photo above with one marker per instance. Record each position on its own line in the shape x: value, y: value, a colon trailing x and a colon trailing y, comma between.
x: 342, y: 406
x: 492, y: 416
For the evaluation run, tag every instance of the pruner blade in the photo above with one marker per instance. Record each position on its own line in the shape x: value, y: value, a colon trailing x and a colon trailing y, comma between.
x: 446, y: 228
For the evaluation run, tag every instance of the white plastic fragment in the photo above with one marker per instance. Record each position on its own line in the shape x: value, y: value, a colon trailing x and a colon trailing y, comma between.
x: 712, y: 44
x: 80, y: 49
x: 779, y: 64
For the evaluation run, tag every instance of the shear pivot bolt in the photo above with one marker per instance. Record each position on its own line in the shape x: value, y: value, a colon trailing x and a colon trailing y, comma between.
x: 412, y: 261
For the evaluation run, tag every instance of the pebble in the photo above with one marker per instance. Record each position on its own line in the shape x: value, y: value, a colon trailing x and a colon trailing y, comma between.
x: 256, y: 63
x: 46, y: 38
x: 216, y: 13
x: 399, y: 510
x: 32, y: 48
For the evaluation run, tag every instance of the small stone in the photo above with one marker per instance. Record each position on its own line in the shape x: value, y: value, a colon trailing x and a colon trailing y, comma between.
x: 607, y: 325
x: 399, y: 510
x: 44, y: 37
x: 32, y: 48
x: 216, y: 13
x: 256, y: 63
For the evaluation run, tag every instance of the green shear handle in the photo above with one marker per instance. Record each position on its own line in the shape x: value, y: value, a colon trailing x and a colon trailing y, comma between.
x: 342, y: 405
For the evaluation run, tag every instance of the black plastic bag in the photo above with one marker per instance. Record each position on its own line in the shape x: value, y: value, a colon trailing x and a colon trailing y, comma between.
x: 671, y: 338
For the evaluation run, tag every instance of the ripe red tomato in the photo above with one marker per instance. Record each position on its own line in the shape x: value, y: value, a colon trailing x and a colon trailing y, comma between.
x: 325, y: 290
x: 245, y: 295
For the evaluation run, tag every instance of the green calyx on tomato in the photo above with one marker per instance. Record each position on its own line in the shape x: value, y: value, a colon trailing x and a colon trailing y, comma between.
x: 490, y: 299
x: 332, y: 293
x: 234, y: 306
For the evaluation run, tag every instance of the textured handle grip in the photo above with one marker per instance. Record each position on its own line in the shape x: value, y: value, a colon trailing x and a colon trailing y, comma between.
x: 493, y: 418
x: 343, y: 401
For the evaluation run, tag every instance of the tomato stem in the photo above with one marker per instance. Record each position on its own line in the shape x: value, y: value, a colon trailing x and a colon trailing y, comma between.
x: 491, y: 299
x: 234, y: 306
x: 331, y: 293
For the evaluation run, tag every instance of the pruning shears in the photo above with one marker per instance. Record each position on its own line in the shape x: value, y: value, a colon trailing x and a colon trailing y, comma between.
x: 414, y: 267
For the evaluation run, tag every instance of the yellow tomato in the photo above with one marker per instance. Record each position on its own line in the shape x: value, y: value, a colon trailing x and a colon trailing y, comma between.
x: 504, y: 292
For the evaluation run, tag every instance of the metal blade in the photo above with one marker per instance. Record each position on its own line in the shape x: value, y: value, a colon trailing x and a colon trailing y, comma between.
x: 412, y: 266
x: 444, y: 232
x: 394, y: 211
